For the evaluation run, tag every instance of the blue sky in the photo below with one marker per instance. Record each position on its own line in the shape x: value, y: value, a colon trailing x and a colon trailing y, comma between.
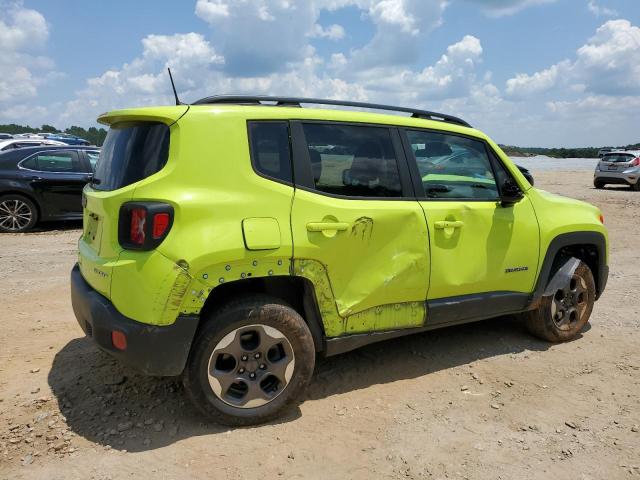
x: 527, y: 72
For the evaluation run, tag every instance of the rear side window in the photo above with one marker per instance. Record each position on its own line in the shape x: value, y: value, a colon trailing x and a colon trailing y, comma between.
x: 354, y: 161
x: 453, y: 167
x: 270, y: 153
x: 132, y: 151
x: 93, y: 158
x: 60, y: 162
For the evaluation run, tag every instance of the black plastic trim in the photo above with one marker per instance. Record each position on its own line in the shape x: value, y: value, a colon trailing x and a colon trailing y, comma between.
x: 566, y: 240
x: 153, y: 350
x: 443, y: 311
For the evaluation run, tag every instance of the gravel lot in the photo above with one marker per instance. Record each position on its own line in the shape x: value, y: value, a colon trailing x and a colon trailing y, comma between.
x: 477, y: 401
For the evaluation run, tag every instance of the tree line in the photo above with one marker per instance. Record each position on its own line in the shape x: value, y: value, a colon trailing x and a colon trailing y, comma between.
x: 94, y: 135
x: 587, y: 152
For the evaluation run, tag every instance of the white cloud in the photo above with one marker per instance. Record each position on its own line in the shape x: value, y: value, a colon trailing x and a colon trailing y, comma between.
x: 332, y: 32
x: 144, y: 80
x: 600, y: 11
x: 401, y: 25
x: 523, y: 85
x: 281, y: 26
x: 609, y: 64
x: 499, y: 8
x: 22, y: 29
x: 452, y: 76
x: 23, y: 33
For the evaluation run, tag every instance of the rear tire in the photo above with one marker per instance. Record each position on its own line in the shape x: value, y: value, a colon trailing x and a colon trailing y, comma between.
x: 252, y: 359
x: 561, y: 317
x: 18, y: 214
x: 599, y: 185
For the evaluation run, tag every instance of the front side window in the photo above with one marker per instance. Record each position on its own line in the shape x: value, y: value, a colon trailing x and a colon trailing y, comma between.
x: 351, y: 160
x: 453, y: 167
x: 269, y: 142
x: 61, y: 162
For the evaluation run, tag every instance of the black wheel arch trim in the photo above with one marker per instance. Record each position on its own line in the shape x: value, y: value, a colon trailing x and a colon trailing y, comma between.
x: 570, y: 239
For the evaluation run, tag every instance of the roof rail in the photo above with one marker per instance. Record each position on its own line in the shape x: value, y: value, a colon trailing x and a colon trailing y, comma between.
x: 297, y: 101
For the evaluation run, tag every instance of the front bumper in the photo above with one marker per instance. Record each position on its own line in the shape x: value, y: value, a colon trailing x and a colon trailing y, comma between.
x: 153, y: 350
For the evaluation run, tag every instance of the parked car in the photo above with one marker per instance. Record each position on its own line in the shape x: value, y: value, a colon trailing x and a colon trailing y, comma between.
x: 14, y: 143
x: 42, y: 183
x: 5, y: 136
x: 603, y: 151
x: 231, y: 241
x: 619, y: 167
x: 67, y: 139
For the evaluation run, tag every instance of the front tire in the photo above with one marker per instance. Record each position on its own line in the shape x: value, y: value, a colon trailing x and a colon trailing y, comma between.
x: 17, y: 214
x: 252, y: 359
x: 560, y: 317
x: 598, y: 184
x: 636, y: 186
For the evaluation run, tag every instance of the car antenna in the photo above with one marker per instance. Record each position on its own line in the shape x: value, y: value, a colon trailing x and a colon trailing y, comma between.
x: 173, y: 85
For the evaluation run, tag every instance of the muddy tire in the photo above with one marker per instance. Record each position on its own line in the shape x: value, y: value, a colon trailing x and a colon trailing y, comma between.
x: 17, y: 214
x: 251, y: 360
x: 599, y: 185
x: 562, y: 316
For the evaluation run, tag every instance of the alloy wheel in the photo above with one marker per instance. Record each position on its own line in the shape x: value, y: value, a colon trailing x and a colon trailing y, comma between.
x: 570, y: 303
x: 251, y: 366
x: 15, y: 215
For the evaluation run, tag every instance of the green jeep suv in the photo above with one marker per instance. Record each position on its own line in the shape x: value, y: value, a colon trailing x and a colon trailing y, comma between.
x: 232, y: 240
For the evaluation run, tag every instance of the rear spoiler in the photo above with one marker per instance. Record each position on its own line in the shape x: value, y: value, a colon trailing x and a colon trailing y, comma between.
x: 168, y: 115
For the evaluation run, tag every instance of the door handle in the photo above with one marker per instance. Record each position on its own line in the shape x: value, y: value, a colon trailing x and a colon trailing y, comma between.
x: 445, y: 224
x: 324, y: 226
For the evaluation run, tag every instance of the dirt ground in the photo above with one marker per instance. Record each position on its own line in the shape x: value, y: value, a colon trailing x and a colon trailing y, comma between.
x: 480, y: 401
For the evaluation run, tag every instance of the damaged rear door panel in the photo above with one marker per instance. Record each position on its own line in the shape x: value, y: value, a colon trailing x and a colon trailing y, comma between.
x: 356, y: 236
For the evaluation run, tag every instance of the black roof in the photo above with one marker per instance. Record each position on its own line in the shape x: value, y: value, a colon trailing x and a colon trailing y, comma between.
x: 22, y: 152
x: 298, y: 101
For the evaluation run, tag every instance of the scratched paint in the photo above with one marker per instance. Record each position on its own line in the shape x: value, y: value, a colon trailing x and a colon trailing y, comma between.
x: 362, y: 228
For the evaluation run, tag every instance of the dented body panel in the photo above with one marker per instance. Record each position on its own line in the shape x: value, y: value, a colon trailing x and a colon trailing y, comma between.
x: 381, y: 259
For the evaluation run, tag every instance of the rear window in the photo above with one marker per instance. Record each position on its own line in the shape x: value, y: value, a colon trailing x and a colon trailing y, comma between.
x: 132, y: 151
x: 618, y: 157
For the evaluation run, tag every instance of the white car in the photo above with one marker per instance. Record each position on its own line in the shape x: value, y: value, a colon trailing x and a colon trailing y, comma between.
x: 621, y: 167
x: 26, y: 142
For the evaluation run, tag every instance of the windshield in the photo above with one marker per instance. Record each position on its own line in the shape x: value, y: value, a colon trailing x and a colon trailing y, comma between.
x: 132, y: 151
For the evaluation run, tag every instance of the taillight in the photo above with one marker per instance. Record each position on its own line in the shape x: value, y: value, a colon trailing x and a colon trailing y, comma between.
x: 160, y: 224
x: 144, y: 225
x: 601, y: 219
x: 635, y: 162
x: 138, y: 220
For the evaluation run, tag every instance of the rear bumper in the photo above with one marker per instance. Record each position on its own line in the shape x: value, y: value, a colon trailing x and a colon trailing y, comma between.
x: 616, y: 178
x: 153, y: 350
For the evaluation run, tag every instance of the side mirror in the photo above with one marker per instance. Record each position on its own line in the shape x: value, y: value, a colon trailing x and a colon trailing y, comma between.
x: 346, y: 176
x: 526, y: 173
x: 511, y: 193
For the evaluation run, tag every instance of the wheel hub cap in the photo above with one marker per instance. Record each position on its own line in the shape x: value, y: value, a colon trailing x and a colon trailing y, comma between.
x: 251, y: 366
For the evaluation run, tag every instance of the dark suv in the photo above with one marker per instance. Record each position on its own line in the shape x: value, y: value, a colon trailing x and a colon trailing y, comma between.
x: 43, y: 183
